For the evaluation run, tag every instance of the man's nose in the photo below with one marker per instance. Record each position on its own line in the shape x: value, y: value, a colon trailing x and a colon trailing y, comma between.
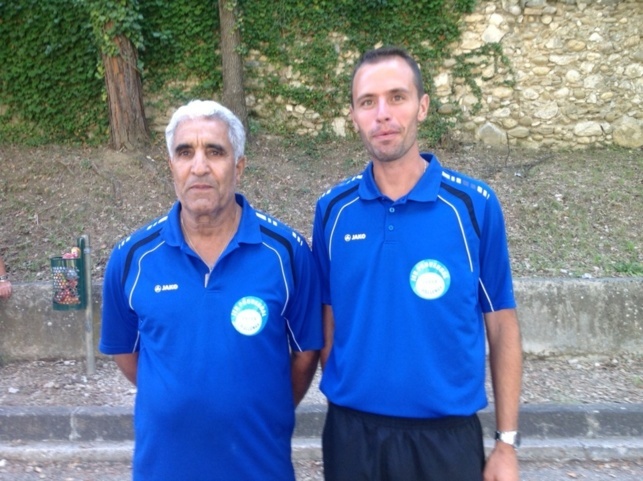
x: 199, y: 162
x: 383, y: 110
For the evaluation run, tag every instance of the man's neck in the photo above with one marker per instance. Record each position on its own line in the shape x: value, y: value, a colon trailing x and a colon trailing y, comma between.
x: 209, y: 239
x: 396, y: 179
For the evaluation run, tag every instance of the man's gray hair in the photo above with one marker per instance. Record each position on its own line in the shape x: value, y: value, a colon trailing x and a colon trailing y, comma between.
x: 209, y: 109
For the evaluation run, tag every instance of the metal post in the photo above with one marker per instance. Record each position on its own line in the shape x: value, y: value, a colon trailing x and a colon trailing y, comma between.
x: 83, y: 244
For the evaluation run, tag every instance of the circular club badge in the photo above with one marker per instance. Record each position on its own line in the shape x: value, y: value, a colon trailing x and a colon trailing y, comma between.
x: 430, y: 279
x: 249, y: 315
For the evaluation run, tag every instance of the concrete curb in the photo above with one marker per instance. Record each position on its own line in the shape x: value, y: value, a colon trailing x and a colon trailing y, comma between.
x: 596, y: 432
x: 537, y: 421
x: 533, y: 450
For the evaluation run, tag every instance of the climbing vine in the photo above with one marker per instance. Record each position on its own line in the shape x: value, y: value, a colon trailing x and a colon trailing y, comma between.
x: 49, y: 89
x: 51, y: 86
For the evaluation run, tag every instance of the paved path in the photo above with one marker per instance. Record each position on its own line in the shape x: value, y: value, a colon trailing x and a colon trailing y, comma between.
x: 309, y: 470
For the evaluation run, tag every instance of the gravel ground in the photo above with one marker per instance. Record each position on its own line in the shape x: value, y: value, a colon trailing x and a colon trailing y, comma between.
x: 104, y: 471
x: 313, y: 471
x: 569, y: 380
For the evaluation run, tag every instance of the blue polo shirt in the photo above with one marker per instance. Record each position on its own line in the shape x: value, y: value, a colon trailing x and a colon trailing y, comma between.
x: 214, y: 397
x: 408, y: 281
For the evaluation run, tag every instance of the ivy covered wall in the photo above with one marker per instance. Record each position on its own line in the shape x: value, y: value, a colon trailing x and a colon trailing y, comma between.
x: 51, y: 85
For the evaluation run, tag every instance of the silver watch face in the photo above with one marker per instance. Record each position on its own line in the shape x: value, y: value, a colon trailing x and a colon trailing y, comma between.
x: 509, y: 437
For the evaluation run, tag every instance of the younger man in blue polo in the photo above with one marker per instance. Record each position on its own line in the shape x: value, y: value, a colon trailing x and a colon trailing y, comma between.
x: 415, y: 271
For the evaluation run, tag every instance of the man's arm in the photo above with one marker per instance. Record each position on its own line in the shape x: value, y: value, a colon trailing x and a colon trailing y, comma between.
x: 505, y: 360
x: 128, y: 364
x: 302, y: 370
x: 328, y: 320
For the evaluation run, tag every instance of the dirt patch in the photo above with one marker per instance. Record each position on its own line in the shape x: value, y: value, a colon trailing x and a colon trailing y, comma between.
x: 560, y: 380
x: 568, y: 213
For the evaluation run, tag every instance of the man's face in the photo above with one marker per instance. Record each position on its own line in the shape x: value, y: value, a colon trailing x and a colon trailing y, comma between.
x: 386, y: 109
x: 203, y: 167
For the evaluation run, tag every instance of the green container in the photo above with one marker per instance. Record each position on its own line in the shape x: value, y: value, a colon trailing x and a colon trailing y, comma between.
x: 69, y: 284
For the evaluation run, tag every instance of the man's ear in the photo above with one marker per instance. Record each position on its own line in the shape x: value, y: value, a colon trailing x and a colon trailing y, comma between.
x: 355, y: 127
x: 424, y: 107
x: 240, y: 167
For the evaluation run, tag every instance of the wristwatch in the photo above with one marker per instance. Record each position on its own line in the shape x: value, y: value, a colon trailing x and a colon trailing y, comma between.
x: 511, y: 438
x: 4, y: 277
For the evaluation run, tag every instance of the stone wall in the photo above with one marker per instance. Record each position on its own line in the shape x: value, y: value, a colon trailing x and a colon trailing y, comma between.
x: 577, y: 67
x: 574, y: 77
x: 557, y: 317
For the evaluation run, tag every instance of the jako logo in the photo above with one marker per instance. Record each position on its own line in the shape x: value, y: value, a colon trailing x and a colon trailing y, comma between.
x: 349, y: 237
x: 166, y: 287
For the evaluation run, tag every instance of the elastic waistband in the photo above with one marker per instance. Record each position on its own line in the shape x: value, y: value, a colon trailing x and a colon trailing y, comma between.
x: 406, y: 422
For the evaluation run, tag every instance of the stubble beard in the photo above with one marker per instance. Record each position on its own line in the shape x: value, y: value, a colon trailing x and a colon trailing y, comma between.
x: 394, y: 149
x: 389, y: 153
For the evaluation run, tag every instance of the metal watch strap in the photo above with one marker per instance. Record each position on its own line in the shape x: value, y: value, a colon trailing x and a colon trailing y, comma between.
x: 509, y: 437
x: 4, y: 277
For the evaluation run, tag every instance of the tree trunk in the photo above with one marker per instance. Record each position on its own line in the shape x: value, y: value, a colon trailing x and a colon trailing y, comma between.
x: 127, y: 123
x: 234, y: 96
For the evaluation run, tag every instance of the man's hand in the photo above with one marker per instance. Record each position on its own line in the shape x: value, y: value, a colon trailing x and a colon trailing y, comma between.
x: 5, y: 289
x: 502, y: 464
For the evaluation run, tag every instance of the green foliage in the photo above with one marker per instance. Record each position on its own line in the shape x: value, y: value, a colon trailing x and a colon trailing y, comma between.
x: 112, y: 18
x: 48, y: 83
x: 319, y: 33
x: 181, y: 41
x: 474, y: 61
x: 630, y: 268
x: 52, y: 87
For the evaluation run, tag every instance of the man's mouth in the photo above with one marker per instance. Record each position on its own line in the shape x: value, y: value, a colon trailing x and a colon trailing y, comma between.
x: 385, y: 134
x: 199, y: 187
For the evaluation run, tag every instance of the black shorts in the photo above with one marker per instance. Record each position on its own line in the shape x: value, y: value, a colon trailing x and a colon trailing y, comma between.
x: 360, y: 446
